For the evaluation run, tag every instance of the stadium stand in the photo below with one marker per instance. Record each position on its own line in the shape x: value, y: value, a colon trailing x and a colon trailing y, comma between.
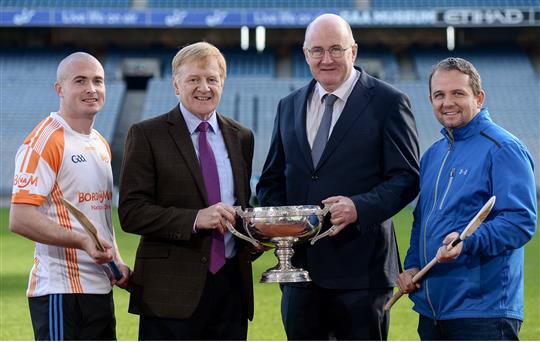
x: 251, y: 92
x: 249, y: 63
x: 258, y: 80
x: 115, y: 56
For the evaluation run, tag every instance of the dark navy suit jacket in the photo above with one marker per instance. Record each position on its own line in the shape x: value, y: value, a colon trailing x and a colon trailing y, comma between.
x: 372, y: 157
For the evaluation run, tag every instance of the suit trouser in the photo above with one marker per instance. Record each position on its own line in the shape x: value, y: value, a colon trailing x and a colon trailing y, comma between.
x: 314, y: 313
x: 219, y: 316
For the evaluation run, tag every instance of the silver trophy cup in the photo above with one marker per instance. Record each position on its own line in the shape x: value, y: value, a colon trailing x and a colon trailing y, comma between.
x: 282, y: 227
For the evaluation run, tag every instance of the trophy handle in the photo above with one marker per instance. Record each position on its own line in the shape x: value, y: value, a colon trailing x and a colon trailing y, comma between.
x: 318, y: 236
x: 326, y: 209
x: 236, y: 232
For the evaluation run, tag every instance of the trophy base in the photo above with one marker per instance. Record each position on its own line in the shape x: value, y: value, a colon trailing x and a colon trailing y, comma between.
x: 295, y: 275
x: 284, y: 272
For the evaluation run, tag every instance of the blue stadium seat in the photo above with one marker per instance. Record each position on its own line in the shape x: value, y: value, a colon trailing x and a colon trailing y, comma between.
x: 249, y: 63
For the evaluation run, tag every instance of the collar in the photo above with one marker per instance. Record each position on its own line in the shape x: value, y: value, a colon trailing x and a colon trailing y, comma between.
x: 343, y: 91
x: 470, y: 129
x: 193, y: 121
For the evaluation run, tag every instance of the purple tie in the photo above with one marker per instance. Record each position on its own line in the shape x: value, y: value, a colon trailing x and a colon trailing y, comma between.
x: 211, y: 182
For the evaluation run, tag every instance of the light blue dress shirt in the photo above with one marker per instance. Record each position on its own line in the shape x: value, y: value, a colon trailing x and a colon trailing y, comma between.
x: 226, y: 181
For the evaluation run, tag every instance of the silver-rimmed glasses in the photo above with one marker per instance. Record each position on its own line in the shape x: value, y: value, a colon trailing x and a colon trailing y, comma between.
x: 335, y: 51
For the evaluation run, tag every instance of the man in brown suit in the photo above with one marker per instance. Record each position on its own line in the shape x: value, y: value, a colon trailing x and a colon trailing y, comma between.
x: 181, y: 174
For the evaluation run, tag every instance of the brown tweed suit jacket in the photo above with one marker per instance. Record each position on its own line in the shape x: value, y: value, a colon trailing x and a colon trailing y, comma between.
x: 161, y: 191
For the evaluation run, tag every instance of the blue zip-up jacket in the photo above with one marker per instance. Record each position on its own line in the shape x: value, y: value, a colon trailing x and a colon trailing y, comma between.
x: 458, y: 174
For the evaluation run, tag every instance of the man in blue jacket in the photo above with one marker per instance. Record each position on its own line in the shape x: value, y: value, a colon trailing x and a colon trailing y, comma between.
x: 476, y: 291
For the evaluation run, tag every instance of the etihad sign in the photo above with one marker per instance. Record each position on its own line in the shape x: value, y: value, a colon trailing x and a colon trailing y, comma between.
x: 22, y: 180
x: 484, y: 16
x: 99, y: 196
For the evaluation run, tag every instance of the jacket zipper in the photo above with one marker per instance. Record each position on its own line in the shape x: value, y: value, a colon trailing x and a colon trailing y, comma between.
x: 452, y: 174
x: 426, y: 225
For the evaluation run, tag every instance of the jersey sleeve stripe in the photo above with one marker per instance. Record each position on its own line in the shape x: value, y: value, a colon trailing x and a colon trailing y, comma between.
x: 24, y: 197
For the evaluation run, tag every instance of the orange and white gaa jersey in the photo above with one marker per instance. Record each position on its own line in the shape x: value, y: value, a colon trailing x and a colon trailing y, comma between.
x: 56, y: 161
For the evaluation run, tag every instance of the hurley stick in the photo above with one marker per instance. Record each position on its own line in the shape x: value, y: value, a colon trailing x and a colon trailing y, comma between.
x: 92, y: 231
x: 468, y: 231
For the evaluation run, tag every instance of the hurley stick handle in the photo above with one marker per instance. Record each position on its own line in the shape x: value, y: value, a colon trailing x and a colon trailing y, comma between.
x: 393, y: 300
x: 417, y: 277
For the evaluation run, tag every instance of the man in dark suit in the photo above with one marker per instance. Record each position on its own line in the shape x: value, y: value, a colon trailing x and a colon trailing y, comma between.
x: 182, y: 172
x: 364, y: 162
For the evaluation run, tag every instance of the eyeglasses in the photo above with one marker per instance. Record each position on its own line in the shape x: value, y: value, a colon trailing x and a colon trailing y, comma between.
x: 335, y: 51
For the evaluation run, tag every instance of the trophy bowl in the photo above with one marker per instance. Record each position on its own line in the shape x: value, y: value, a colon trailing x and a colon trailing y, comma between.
x: 281, y: 228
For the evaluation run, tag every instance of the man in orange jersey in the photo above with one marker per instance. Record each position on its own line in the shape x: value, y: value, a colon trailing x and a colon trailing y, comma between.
x: 69, y: 289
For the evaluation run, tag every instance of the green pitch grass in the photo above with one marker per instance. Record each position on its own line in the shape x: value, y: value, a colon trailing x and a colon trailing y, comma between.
x: 16, y: 255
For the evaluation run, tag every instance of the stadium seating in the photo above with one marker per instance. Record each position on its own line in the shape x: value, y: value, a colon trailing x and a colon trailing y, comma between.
x: 496, y: 64
x: 252, y: 91
x: 114, y: 57
x: 249, y: 63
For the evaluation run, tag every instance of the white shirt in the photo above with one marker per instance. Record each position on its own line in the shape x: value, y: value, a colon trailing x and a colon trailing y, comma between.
x: 55, y: 161
x: 315, y: 105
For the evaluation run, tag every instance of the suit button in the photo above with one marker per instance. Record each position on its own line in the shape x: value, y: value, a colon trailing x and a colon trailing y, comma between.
x: 204, y: 260
x: 315, y: 177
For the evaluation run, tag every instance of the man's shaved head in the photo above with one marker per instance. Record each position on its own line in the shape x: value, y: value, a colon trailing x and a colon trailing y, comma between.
x: 61, y: 72
x: 329, y: 19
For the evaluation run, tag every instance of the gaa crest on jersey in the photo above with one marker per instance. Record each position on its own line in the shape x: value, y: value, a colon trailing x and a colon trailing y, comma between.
x: 78, y: 158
